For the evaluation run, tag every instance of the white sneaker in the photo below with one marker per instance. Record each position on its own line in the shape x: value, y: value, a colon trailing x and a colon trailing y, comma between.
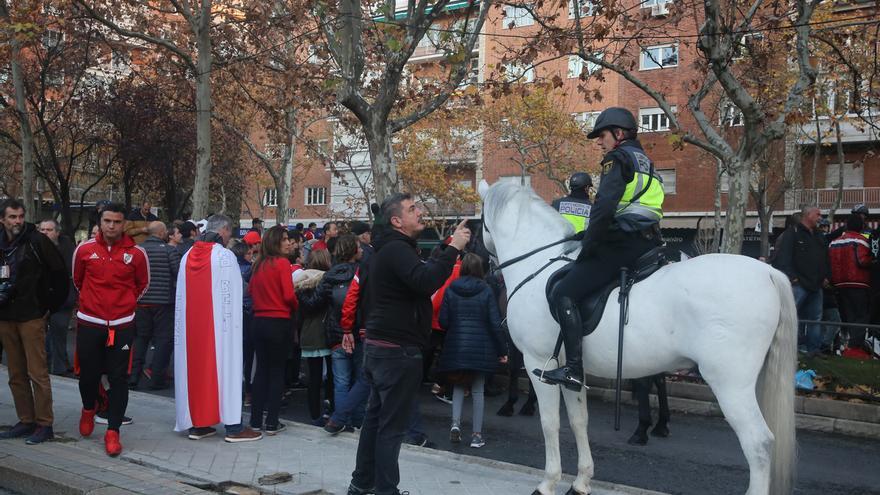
x: 455, y: 434
x: 477, y: 441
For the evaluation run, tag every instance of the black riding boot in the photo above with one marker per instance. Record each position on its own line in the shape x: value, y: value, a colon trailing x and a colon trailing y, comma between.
x: 572, y: 374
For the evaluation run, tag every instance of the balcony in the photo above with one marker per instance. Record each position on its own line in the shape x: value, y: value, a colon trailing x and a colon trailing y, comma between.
x: 825, y: 198
x: 852, y: 130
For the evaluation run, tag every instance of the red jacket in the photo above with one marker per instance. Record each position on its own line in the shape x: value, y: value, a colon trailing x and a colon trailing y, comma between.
x: 437, y: 298
x: 350, y: 304
x: 850, y: 256
x: 271, y: 289
x: 110, y: 280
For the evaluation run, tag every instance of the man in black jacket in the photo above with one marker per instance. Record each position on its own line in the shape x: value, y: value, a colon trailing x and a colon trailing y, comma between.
x: 59, y: 321
x: 398, y: 327
x: 803, y: 256
x: 154, y: 317
x: 33, y: 282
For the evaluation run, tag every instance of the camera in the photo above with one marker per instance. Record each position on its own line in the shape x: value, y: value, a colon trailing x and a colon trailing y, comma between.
x: 6, y: 292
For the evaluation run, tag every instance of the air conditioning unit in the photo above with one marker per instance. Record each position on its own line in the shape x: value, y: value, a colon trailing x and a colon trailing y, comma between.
x: 660, y: 9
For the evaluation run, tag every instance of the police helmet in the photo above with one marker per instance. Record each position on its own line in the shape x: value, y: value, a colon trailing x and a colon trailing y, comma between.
x: 613, y: 117
x: 579, y: 180
x: 860, y: 209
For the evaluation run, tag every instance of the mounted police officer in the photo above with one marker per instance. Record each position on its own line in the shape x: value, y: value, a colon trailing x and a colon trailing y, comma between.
x: 576, y: 206
x: 624, y: 225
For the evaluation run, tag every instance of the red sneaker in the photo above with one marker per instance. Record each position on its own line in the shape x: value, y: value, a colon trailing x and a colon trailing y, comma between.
x: 87, y: 422
x: 111, y: 443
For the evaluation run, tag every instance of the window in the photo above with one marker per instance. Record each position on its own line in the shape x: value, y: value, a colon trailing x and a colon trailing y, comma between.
x: 52, y: 39
x: 853, y: 176
x: 586, y: 120
x: 515, y: 17
x: 576, y: 65
x: 588, y: 8
x: 731, y: 116
x: 316, y: 195
x: 504, y: 133
x: 516, y: 72
x: 650, y: 3
x: 653, y: 120
x: 659, y: 57
x: 747, y: 44
x: 668, y: 178
x: 516, y: 179
x: 270, y: 197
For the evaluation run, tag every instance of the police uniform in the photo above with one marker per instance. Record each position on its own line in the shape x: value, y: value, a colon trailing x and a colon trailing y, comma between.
x: 575, y: 210
x: 623, y: 221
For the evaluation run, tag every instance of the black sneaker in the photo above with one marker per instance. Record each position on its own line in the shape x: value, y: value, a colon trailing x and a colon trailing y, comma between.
x: 333, y: 428
x: 19, y: 430
x: 40, y: 435
x: 353, y: 490
x: 200, y: 433
x: 101, y: 419
x: 276, y: 429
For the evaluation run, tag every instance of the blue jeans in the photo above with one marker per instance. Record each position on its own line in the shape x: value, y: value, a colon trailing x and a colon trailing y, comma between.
x: 350, y: 387
x: 809, y: 307
x: 830, y: 331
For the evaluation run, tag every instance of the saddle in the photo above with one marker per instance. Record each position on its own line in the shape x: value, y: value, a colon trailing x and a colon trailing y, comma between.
x: 593, y: 306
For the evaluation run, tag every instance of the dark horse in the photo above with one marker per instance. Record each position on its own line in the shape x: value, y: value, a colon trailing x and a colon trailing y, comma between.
x: 642, y: 390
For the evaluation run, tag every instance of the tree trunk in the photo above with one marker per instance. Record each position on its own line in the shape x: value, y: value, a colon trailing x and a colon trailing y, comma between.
x: 841, y: 158
x: 285, y: 187
x: 737, y: 202
x: 716, y: 234
x: 27, y: 136
x: 203, y: 123
x: 764, y: 216
x: 382, y: 159
x: 817, y: 152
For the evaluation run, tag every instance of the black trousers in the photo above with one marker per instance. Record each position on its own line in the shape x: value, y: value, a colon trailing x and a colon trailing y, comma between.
x: 56, y: 341
x: 247, y: 347
x: 271, y: 342
x: 316, y: 383
x: 96, y: 357
x: 855, y: 307
x: 591, y: 273
x: 153, y: 324
x: 394, y: 375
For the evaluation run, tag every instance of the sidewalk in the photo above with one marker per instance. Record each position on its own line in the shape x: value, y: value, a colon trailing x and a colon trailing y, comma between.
x: 154, y: 455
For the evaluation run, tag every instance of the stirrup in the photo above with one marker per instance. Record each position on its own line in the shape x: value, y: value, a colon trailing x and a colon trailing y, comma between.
x: 571, y: 386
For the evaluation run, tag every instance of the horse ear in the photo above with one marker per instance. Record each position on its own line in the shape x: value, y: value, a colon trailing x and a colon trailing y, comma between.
x: 483, y: 188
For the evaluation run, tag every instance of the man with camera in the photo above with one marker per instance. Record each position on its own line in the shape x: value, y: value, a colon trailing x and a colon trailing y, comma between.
x: 33, y: 283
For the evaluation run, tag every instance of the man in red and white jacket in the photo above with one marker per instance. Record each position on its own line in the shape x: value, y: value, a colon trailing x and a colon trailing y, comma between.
x: 111, y: 273
x: 851, y: 261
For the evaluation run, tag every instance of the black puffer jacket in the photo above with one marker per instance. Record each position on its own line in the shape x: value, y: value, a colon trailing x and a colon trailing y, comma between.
x: 331, y: 293
x: 39, y: 280
x: 469, y: 314
x: 164, y: 264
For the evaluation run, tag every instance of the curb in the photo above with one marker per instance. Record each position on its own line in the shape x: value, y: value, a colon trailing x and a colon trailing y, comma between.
x: 26, y: 477
x: 811, y: 413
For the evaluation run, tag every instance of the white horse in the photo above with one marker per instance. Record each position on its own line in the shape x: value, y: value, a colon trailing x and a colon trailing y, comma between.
x: 733, y: 316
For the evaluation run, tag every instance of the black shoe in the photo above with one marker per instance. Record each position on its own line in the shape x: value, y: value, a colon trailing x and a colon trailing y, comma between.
x: 200, y: 433
x: 333, y: 428
x: 572, y: 379
x: 19, y: 430
x: 101, y: 419
x: 41, y: 434
x: 275, y: 429
x: 353, y: 490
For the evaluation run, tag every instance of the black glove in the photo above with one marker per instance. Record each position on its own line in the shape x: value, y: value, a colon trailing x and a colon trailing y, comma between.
x: 579, y: 236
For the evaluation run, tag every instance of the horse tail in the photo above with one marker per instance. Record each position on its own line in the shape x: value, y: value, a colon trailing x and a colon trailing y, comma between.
x: 776, y: 389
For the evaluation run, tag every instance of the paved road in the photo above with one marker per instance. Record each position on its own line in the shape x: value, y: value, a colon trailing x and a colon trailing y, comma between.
x: 702, y: 456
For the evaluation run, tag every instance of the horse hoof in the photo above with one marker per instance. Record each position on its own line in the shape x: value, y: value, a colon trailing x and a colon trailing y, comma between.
x: 660, y: 431
x: 528, y: 409
x: 638, y: 438
x: 572, y: 491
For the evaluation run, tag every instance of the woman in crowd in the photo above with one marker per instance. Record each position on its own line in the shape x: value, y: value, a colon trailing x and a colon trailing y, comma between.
x: 473, y: 346
x: 312, y: 337
x: 345, y: 349
x: 274, y: 301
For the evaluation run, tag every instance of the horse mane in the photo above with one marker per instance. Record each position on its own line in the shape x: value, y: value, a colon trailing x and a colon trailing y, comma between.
x: 531, y: 207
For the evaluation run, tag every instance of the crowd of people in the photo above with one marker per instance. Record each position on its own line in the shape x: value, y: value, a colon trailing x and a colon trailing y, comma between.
x: 139, y: 293
x: 835, y: 277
